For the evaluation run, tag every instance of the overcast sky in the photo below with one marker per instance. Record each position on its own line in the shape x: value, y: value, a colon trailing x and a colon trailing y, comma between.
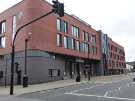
x: 115, y: 17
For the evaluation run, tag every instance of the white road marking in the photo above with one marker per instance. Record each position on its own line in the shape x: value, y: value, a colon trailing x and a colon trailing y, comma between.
x: 74, y: 91
x: 120, y: 80
x: 106, y: 93
x: 119, y: 88
x: 106, y: 97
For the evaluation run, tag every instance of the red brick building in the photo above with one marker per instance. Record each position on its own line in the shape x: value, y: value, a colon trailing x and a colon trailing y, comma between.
x: 116, y: 58
x: 59, y: 48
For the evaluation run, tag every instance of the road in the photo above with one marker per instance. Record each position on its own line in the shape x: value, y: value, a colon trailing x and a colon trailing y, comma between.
x: 117, y: 90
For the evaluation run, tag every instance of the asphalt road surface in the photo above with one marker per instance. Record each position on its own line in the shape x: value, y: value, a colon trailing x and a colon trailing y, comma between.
x: 119, y: 90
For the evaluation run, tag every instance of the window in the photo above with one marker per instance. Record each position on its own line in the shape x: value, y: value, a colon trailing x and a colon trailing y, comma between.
x: 62, y: 26
x: 94, y: 50
x: 85, y: 36
x: 14, y: 27
x: 86, y: 49
x: 75, y: 31
x: 2, y: 27
x: 73, y: 43
x: 2, y: 42
x: 65, y: 27
x: 82, y: 47
x: 70, y: 43
x: 1, y: 57
x: 59, y: 40
x: 65, y: 42
x: 93, y: 39
x: 58, y: 24
x: 77, y: 46
x: 53, y: 72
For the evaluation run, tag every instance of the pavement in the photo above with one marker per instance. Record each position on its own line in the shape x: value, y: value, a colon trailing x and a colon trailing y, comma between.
x: 19, y: 90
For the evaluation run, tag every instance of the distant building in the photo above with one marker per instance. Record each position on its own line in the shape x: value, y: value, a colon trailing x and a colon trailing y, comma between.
x: 112, y: 55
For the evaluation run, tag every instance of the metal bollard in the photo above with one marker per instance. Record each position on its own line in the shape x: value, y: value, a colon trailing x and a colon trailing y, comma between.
x: 25, y: 81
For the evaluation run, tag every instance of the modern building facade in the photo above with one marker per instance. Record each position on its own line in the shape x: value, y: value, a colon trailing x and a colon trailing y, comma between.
x: 112, y: 55
x: 58, y: 48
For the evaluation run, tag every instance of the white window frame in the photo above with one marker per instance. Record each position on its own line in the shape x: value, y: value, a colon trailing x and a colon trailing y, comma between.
x: 14, y: 26
x: 59, y: 25
x: 65, y: 42
x: 3, y: 29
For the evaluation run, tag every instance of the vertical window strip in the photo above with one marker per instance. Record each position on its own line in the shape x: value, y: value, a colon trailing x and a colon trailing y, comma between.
x: 59, y: 40
x: 3, y: 43
x: 77, y: 46
x: 59, y: 25
x: 3, y: 27
x: 75, y: 31
x: 65, y: 42
x: 14, y: 27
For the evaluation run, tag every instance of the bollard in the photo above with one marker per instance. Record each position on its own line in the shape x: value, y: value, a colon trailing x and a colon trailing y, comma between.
x: 78, y: 78
x: 25, y: 81
x: 133, y: 79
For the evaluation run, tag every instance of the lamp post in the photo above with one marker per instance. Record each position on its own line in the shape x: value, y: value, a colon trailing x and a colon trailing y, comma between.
x: 13, y: 50
x: 57, y: 8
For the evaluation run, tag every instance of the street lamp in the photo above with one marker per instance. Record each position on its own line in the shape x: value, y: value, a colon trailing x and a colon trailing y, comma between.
x: 57, y: 8
x: 25, y: 76
x: 13, y: 50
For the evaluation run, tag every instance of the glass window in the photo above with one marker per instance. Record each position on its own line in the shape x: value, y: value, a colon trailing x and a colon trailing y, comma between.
x: 2, y: 27
x: 73, y: 44
x: 77, y: 46
x: 75, y: 31
x: 81, y: 47
x: 94, y: 50
x: 62, y: 26
x: 14, y: 27
x: 58, y: 24
x: 85, y: 36
x: 53, y: 72
x: 70, y: 43
x: 59, y: 40
x: 93, y: 40
x: 86, y: 47
x: 65, y: 42
x: 2, y: 42
x: 65, y: 27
